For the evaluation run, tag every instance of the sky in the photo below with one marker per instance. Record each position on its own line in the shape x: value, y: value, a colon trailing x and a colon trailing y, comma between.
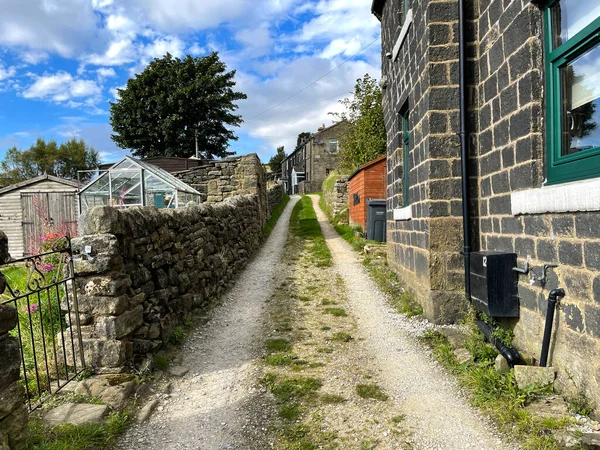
x: 61, y: 62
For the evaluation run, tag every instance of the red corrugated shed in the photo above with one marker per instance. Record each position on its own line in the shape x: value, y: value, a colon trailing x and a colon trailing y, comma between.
x: 367, y: 182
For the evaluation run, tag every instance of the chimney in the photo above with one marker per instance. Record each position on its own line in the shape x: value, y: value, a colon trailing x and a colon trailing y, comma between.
x: 321, y: 128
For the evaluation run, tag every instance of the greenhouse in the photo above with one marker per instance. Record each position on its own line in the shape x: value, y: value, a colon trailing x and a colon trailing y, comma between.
x: 131, y: 182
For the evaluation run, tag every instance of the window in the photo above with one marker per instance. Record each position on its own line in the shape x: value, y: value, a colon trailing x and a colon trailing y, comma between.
x: 333, y: 145
x: 572, y: 51
x: 405, y: 155
x: 327, y: 172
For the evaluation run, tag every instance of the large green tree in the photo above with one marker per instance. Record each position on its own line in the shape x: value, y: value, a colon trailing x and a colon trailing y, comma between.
x: 177, y: 105
x: 62, y: 160
x: 364, y: 138
x: 275, y: 161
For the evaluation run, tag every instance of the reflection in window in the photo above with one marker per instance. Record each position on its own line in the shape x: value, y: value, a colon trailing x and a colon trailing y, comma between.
x: 581, y: 114
x: 572, y: 16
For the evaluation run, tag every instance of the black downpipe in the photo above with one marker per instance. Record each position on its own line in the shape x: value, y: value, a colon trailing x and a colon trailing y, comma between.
x: 553, y: 297
x: 464, y: 149
x: 511, y: 355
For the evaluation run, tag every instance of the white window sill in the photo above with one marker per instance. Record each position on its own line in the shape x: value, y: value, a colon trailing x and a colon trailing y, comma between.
x: 403, y: 33
x: 402, y: 213
x: 568, y: 197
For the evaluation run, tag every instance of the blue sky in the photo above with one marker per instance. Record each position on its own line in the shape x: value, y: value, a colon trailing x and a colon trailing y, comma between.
x: 62, y: 60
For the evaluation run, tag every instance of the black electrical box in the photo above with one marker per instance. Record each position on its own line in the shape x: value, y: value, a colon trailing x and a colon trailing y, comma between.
x: 376, y: 226
x: 494, y: 283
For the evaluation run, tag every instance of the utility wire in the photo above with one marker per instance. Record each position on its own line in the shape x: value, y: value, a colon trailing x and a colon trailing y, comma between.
x: 298, y: 107
x: 318, y: 79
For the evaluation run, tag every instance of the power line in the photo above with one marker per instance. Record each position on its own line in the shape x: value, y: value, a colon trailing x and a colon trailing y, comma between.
x: 298, y: 107
x: 318, y: 79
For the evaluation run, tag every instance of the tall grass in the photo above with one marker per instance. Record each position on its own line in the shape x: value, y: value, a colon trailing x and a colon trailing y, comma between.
x: 275, y: 215
x: 305, y: 225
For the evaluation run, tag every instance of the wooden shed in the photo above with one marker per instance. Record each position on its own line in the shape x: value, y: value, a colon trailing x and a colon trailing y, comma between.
x: 367, y: 182
x: 34, y: 207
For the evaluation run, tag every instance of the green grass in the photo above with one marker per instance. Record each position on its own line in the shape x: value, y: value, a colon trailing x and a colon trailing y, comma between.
x: 341, y: 337
x: 497, y: 393
x: 275, y: 215
x: 161, y: 361
x: 371, y: 391
x: 332, y: 399
x: 278, y: 345
x: 281, y: 359
x: 304, y: 224
x: 81, y: 437
x: 337, y: 312
x: 178, y: 335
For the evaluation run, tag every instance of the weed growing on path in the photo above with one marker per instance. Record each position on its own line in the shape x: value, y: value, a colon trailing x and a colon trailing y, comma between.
x: 337, y: 312
x: 332, y: 399
x: 341, y: 337
x: 371, y: 391
x: 497, y: 393
x: 278, y: 345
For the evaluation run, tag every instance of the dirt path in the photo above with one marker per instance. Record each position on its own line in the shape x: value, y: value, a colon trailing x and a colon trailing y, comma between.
x: 437, y: 415
x: 219, y: 403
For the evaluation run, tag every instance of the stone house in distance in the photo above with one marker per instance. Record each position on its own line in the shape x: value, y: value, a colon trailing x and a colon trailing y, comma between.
x: 305, y: 169
x: 530, y: 129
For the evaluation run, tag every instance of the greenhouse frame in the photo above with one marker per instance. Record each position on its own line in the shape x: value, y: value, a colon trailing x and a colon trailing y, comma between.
x: 131, y: 182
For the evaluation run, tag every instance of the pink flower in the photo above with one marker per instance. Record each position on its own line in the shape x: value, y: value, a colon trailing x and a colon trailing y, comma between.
x: 46, y: 267
x: 32, y: 308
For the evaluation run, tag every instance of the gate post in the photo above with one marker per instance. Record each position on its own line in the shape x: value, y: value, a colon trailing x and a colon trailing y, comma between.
x: 14, y: 426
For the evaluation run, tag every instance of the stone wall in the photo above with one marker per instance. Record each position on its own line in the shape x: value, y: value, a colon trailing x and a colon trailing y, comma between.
x: 337, y: 199
x: 219, y: 179
x: 274, y: 196
x: 13, y: 411
x: 140, y: 270
x: 505, y: 76
x: 423, y: 83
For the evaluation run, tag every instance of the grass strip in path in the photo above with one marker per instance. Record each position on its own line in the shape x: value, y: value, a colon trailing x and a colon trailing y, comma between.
x: 275, y: 214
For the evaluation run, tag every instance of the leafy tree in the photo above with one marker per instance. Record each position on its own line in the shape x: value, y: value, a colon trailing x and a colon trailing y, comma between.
x: 62, y: 160
x: 275, y: 161
x: 175, y: 106
x: 302, y: 137
x: 364, y: 138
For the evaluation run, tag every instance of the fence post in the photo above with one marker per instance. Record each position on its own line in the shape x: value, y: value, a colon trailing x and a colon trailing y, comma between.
x: 13, y: 411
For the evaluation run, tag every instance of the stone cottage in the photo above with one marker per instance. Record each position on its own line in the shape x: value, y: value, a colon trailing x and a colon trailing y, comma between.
x: 506, y: 94
x: 313, y: 160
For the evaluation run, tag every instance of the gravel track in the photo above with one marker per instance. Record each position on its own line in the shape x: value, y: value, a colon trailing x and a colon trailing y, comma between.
x: 437, y: 414
x: 219, y: 404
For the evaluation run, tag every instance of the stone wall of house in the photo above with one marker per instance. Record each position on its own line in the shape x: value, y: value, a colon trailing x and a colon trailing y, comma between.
x: 505, y: 76
x: 13, y: 411
x: 274, y: 196
x: 140, y: 270
x: 337, y: 199
x: 320, y: 162
x: 219, y: 179
x: 510, y: 159
x: 423, y: 82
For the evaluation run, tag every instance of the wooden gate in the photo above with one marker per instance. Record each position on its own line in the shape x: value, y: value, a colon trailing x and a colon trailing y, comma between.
x: 47, y: 212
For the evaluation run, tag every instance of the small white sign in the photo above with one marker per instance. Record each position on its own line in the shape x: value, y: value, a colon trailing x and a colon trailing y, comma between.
x: 87, y: 249
x: 485, y: 261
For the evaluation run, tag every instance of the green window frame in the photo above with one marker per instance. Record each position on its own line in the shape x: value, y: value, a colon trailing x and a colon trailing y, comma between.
x: 405, y: 156
x: 581, y: 165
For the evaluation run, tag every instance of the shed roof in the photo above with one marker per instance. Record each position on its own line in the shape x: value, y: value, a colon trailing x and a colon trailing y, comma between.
x: 37, y: 179
x: 367, y: 165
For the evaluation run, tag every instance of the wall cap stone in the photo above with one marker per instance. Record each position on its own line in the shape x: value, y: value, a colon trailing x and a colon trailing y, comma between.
x: 567, y: 197
x: 402, y: 213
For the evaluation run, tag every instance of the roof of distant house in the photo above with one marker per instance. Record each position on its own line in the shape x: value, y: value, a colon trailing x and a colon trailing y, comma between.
x: 37, y: 179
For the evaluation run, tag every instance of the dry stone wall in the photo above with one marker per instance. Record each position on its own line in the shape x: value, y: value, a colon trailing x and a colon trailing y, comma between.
x: 274, y: 196
x: 141, y: 270
x: 337, y: 199
x: 13, y: 412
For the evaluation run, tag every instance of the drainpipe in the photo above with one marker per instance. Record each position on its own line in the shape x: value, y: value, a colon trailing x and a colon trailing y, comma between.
x: 553, y: 297
x: 511, y: 355
x: 464, y: 149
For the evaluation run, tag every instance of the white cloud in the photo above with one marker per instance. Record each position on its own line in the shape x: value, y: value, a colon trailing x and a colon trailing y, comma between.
x: 196, y: 49
x: 119, y: 52
x: 106, y: 72
x: 58, y: 26
x: 61, y: 87
x: 163, y: 45
x: 256, y: 41
x: 34, y: 57
x: 7, y: 73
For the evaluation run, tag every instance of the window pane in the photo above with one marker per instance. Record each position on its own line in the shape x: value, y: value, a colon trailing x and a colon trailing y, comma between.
x: 572, y: 16
x: 581, y: 105
x: 333, y: 145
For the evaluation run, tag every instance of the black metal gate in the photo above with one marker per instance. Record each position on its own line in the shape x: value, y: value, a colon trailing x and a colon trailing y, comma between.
x: 42, y: 289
